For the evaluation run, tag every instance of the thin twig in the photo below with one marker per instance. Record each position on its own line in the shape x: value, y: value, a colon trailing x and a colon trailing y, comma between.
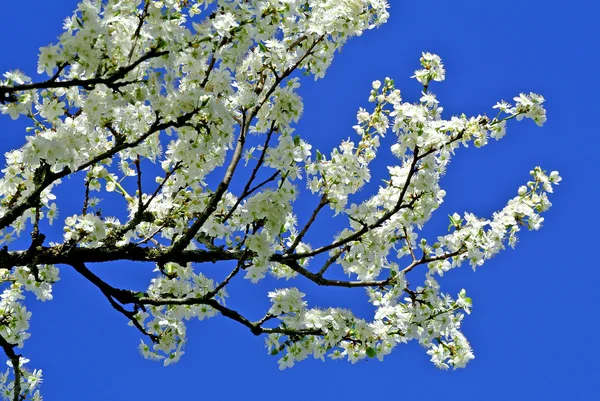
x: 333, y: 259
x: 324, y: 201
x: 9, y: 350
x: 247, y: 191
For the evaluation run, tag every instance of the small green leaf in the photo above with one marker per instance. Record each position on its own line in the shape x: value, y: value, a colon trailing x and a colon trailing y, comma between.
x: 297, y: 140
x: 371, y: 353
x: 262, y: 47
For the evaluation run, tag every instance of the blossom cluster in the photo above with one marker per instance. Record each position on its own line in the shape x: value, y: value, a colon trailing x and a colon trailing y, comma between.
x: 167, y: 321
x: 387, y: 225
x: 14, y: 323
x: 428, y: 317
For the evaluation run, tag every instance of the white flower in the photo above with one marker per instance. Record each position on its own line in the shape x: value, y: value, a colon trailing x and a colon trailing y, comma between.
x: 52, y: 213
x: 16, y: 77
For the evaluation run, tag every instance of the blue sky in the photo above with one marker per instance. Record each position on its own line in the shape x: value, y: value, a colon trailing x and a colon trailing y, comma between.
x: 534, y: 319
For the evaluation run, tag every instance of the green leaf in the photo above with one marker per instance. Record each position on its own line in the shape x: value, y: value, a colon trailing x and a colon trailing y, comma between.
x: 371, y: 353
x: 297, y: 140
x: 262, y: 47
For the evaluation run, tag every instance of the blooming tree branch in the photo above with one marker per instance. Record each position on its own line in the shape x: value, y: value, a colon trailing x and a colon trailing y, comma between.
x: 175, y: 89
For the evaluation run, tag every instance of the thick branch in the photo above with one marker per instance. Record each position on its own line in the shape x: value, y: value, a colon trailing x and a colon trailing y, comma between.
x: 61, y: 254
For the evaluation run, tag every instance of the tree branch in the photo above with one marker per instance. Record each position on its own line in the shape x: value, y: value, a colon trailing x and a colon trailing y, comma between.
x: 324, y: 201
x: 63, y: 254
x: 9, y: 350
x: 247, y: 191
x: 13, y: 213
x: 7, y: 91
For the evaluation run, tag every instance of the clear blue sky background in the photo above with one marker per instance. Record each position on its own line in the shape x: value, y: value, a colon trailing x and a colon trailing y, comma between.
x: 535, y: 316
